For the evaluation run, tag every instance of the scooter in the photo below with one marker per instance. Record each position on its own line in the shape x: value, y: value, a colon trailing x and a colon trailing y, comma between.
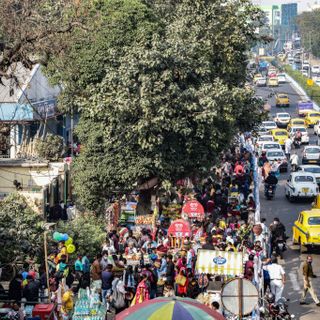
x: 279, y: 247
x: 269, y: 191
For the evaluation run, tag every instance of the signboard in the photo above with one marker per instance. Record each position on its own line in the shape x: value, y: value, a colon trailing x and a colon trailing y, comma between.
x: 45, y: 109
x: 219, y: 262
x: 193, y: 209
x: 179, y: 229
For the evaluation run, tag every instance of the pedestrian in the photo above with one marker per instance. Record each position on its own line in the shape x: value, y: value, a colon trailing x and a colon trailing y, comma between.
x: 170, y: 270
x: 96, y: 273
x: 31, y: 290
x: 307, y: 282
x: 294, y: 160
x: 287, y: 147
x: 107, y: 278
x: 15, y: 288
x: 277, y: 278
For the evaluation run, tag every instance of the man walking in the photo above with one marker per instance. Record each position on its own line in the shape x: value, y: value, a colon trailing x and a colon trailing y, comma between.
x: 307, y: 282
x: 277, y: 278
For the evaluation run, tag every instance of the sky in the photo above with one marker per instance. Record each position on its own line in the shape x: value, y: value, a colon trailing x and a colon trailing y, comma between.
x: 302, y: 4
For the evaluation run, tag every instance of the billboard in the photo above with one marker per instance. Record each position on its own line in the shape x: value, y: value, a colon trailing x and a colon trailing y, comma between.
x: 219, y: 262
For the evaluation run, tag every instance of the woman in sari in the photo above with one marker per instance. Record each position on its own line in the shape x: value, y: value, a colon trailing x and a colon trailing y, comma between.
x: 143, y: 291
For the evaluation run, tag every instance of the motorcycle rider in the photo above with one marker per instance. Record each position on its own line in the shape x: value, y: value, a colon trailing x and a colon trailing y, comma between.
x: 271, y: 180
x: 297, y: 138
x: 278, y: 233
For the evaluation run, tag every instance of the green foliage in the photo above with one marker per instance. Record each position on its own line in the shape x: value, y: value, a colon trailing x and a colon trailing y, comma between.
x: 21, y: 230
x: 161, y: 90
x: 51, y: 148
x: 87, y: 231
x: 309, y: 27
x: 312, y: 91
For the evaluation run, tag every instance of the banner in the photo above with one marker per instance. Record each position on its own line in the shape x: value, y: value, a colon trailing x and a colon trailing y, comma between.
x: 219, y: 262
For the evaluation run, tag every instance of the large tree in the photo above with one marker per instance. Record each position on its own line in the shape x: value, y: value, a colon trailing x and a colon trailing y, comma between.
x: 21, y: 230
x: 309, y: 27
x: 160, y: 85
x: 170, y: 100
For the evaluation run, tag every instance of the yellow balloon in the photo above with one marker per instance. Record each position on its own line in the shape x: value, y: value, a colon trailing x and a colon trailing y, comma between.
x: 69, y: 241
x: 71, y: 248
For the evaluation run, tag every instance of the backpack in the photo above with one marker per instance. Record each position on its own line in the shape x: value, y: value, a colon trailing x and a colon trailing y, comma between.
x: 118, y: 301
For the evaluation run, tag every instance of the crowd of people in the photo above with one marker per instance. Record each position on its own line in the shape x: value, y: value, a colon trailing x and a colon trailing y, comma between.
x: 228, y: 225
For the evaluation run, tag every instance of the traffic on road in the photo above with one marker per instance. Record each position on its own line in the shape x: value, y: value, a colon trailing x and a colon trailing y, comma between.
x: 292, y: 130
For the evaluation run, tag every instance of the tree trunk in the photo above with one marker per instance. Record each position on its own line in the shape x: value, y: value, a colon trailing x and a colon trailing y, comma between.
x: 144, y: 203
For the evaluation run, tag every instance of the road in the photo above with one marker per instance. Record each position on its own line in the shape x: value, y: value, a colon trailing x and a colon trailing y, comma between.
x: 287, y: 213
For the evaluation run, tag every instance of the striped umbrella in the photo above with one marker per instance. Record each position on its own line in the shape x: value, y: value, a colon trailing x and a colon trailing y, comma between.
x: 173, y: 308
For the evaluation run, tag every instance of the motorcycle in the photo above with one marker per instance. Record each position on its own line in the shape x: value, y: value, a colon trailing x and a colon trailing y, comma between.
x: 269, y: 191
x: 279, y: 247
x: 275, y: 311
x: 297, y: 143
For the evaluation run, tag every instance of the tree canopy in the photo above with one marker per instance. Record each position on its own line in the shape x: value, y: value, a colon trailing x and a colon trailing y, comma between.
x: 309, y: 27
x: 21, y: 229
x: 160, y: 86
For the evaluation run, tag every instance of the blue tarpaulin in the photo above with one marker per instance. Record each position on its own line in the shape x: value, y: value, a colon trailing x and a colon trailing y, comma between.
x: 15, y: 112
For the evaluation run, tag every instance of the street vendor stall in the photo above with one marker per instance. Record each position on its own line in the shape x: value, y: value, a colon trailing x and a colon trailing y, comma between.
x: 194, y: 210
x: 178, y: 231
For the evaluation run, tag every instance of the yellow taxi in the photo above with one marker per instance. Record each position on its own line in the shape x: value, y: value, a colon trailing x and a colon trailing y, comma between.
x: 296, y: 122
x: 256, y: 77
x: 273, y: 82
x: 279, y: 135
x: 311, y: 118
x: 282, y: 100
x: 306, y: 229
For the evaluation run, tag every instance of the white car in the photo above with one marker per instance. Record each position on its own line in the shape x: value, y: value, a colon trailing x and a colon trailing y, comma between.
x: 311, y: 168
x: 315, y: 69
x: 304, y: 134
x: 305, y: 73
x: 301, y: 185
x: 275, y: 155
x: 282, y: 119
x: 269, y: 125
x: 316, y: 128
x: 311, y: 154
x: 261, y: 82
x: 282, y: 78
x: 264, y: 138
x: 317, y: 82
x: 265, y: 146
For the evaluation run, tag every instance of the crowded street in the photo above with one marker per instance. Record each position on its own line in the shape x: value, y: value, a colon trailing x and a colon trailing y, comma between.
x: 288, y: 212
x: 159, y: 160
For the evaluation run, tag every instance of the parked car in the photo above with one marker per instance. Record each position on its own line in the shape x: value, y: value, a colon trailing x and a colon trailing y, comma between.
x: 312, y: 169
x: 282, y: 119
x: 275, y: 155
x: 311, y: 154
x: 304, y: 134
x: 301, y: 185
x: 269, y: 125
x: 306, y: 229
